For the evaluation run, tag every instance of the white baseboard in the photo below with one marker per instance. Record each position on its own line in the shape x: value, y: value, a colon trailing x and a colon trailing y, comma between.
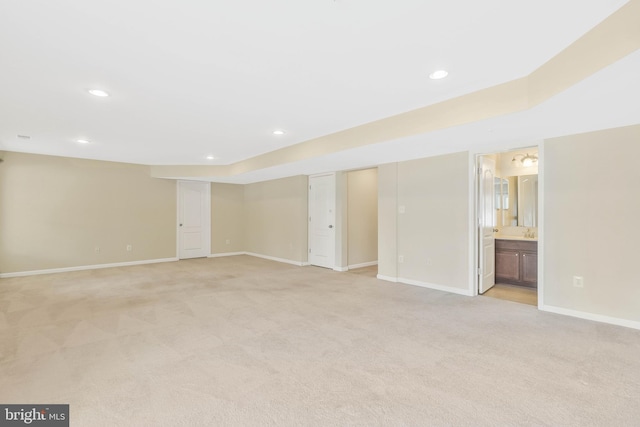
x: 444, y: 288
x: 363, y: 264
x: 225, y: 254
x: 387, y: 278
x: 130, y: 263
x: 85, y: 267
x: 271, y: 258
x: 591, y: 316
x: 288, y: 261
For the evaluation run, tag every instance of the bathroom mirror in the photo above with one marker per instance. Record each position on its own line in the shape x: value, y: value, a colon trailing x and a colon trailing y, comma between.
x: 517, y: 201
x: 502, y: 193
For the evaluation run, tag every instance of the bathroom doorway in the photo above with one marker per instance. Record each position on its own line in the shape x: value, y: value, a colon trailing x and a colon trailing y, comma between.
x: 513, y: 293
x: 507, y: 211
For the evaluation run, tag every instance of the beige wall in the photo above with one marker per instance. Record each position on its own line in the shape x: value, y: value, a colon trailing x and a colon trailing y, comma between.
x: 591, y: 206
x: 432, y: 234
x: 387, y: 221
x: 342, y: 222
x: 362, y: 204
x: 55, y: 211
x: 276, y: 218
x: 227, y: 218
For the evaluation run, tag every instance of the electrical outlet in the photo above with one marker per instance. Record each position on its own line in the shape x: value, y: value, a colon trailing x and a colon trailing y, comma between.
x: 97, y: 249
x: 401, y: 258
x: 428, y: 261
x: 402, y: 209
x: 228, y: 241
x: 578, y: 281
x: 129, y: 248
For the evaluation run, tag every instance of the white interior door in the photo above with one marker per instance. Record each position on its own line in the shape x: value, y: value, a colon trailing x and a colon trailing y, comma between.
x: 322, y: 220
x: 486, y: 222
x: 194, y: 219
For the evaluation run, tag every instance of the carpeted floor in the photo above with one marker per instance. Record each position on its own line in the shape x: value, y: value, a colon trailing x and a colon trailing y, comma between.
x: 249, y: 342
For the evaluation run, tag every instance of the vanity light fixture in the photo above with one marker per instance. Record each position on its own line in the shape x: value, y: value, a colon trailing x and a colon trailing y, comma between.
x: 278, y: 132
x: 526, y: 159
x: 98, y: 92
x: 439, y: 74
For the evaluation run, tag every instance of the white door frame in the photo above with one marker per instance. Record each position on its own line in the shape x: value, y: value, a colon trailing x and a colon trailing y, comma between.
x: 486, y: 164
x: 334, y: 223
x: 207, y: 227
x: 473, y: 218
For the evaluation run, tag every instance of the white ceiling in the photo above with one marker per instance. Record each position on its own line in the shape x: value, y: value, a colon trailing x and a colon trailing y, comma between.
x: 197, y: 77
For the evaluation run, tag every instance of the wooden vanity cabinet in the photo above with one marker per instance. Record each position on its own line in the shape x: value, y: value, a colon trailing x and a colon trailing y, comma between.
x: 517, y: 262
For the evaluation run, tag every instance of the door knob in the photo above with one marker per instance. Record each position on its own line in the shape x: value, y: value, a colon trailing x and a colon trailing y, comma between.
x: 331, y: 226
x: 180, y: 225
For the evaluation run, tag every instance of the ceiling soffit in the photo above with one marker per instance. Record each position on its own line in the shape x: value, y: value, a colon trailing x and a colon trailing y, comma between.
x: 611, y: 40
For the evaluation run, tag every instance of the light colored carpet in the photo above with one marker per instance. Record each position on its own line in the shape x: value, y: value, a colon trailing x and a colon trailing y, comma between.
x: 249, y: 342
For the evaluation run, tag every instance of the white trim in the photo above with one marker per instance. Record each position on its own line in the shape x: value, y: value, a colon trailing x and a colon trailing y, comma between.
x: 362, y: 264
x: 142, y: 262
x: 334, y: 220
x: 341, y: 269
x: 541, y: 224
x: 473, y: 213
x: 591, y: 316
x: 178, y: 219
x: 85, y: 267
x: 221, y: 254
x: 444, y: 288
x: 272, y: 258
x: 473, y: 224
x: 206, y: 231
x: 387, y: 278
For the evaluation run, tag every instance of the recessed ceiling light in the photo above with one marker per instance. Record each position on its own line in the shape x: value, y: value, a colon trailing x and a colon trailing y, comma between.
x: 98, y: 92
x: 279, y: 132
x: 211, y: 158
x: 439, y: 74
x: 82, y: 141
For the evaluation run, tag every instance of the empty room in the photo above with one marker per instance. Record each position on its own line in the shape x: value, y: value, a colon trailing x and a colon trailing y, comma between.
x: 338, y: 212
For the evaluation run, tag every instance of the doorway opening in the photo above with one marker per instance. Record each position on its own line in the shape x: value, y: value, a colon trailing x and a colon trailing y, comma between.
x: 362, y: 221
x: 507, y: 210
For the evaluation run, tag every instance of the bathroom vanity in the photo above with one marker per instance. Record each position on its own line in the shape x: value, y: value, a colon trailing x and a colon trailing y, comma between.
x: 517, y: 262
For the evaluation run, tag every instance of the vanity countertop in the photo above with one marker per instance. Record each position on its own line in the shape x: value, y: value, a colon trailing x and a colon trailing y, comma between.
x: 503, y: 237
